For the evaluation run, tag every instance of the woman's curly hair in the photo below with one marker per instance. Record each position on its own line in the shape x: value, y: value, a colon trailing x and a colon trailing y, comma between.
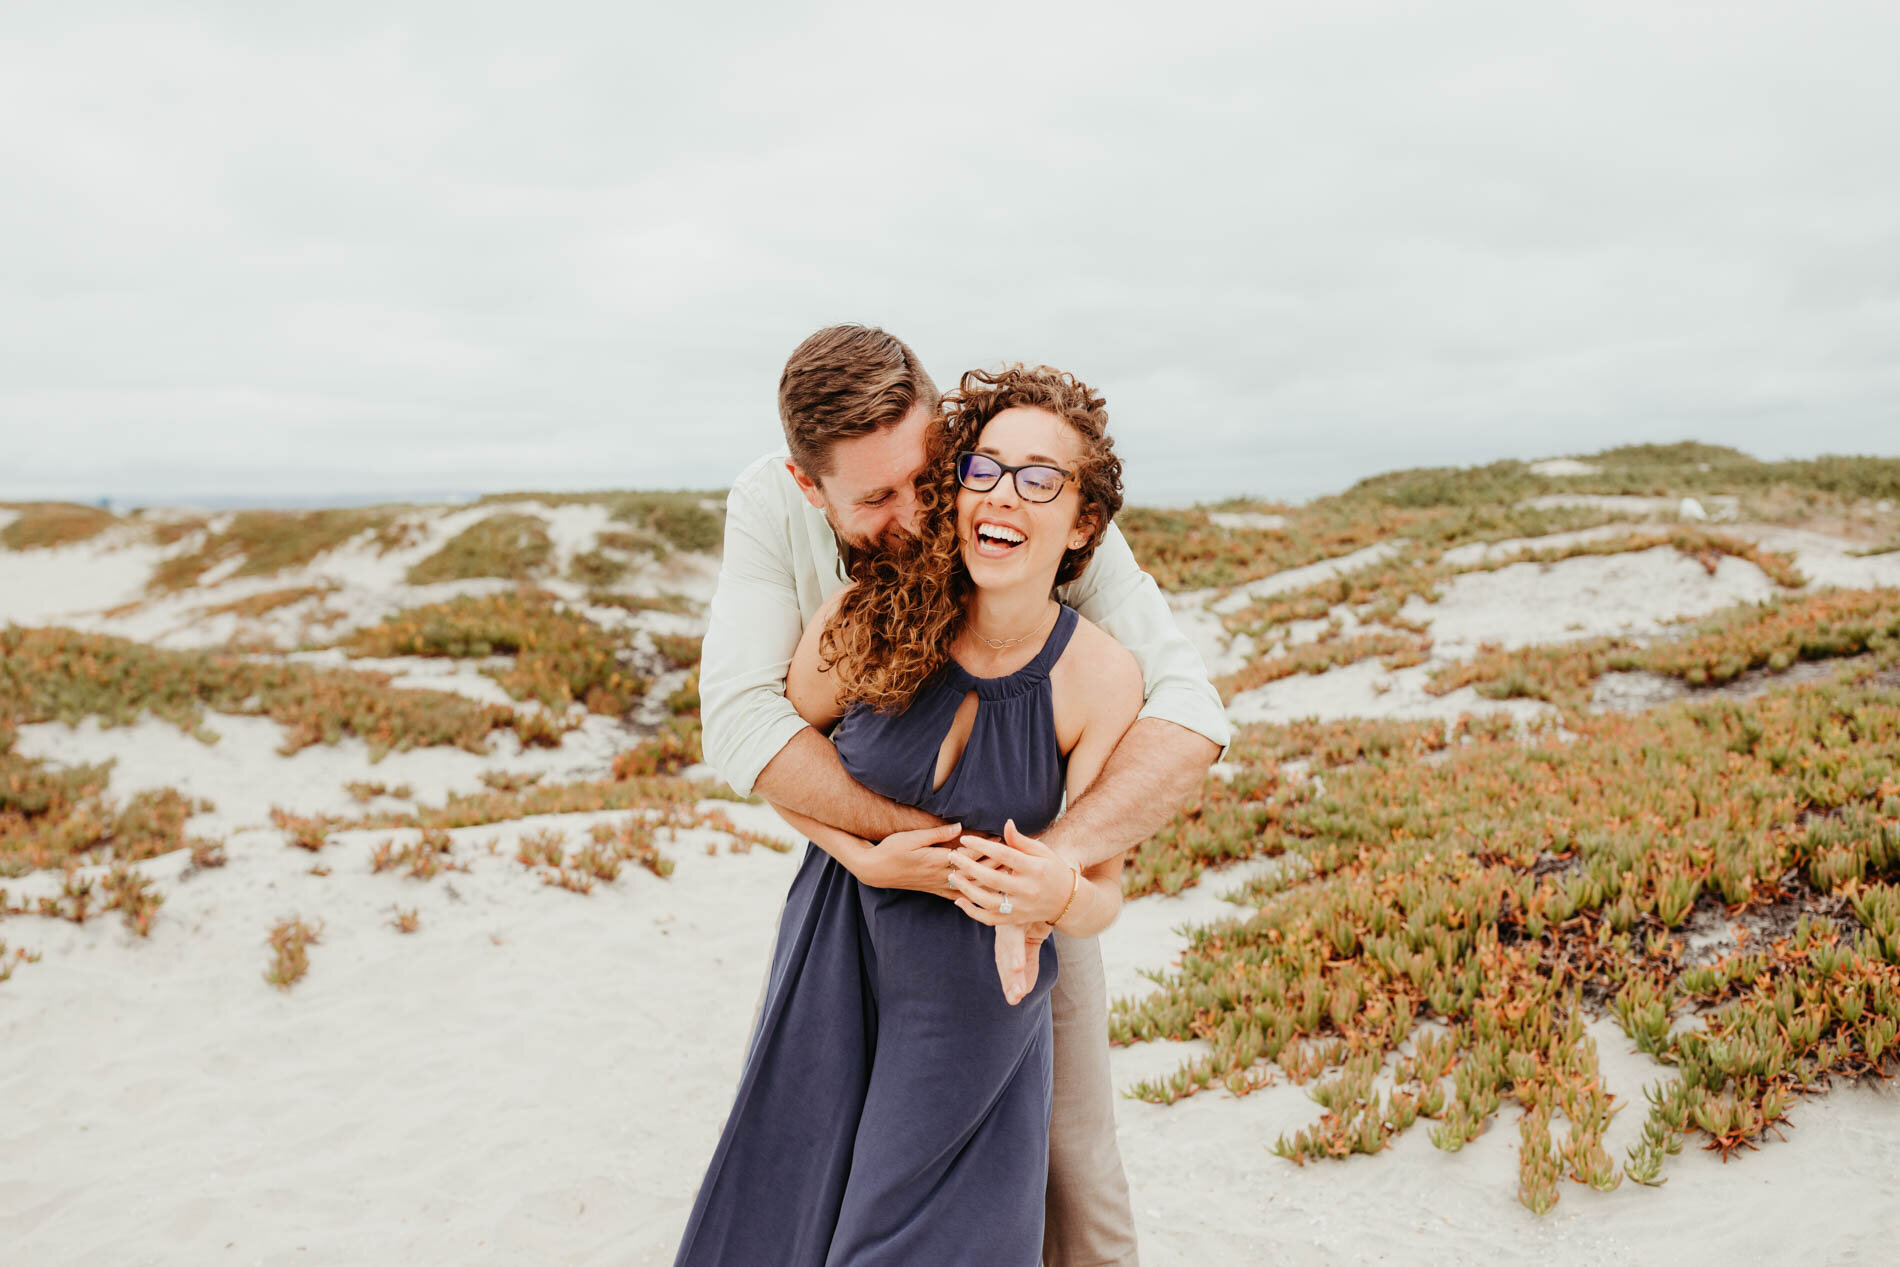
x: 894, y: 627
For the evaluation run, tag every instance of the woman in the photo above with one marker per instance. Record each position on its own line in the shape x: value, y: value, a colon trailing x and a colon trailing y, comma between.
x: 895, y: 1102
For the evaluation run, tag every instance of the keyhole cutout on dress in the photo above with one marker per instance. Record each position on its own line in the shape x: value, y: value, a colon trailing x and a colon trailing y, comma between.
x: 956, y: 741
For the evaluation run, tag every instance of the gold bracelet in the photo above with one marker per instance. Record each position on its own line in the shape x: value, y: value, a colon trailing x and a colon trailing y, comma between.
x: 1075, y: 883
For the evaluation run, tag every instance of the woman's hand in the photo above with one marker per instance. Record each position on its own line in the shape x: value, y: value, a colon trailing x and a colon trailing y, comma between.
x: 1019, y: 958
x: 1034, y: 879
x: 918, y: 860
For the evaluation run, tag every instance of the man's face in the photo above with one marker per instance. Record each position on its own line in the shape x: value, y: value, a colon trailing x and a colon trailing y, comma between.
x: 871, y: 491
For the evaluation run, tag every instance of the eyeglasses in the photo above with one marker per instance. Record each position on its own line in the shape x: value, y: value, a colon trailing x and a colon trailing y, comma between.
x: 1034, y: 483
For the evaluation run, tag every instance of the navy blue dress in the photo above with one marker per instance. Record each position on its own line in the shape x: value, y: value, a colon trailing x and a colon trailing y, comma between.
x: 894, y: 1109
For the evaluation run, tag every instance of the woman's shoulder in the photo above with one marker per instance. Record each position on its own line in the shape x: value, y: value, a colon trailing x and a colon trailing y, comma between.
x: 833, y: 601
x: 1093, y: 660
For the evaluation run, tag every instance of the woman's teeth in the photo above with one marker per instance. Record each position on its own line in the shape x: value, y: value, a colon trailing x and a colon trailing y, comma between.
x: 999, y: 536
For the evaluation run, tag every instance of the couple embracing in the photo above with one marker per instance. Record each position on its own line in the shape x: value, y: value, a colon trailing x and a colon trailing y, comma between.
x: 934, y: 655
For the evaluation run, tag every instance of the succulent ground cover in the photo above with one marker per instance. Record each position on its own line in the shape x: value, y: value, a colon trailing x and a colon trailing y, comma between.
x: 1828, y: 624
x: 51, y: 816
x: 1477, y: 907
x: 507, y: 544
x: 657, y: 521
x: 63, y: 675
x: 1443, y: 507
x: 44, y: 525
x: 1646, y: 470
x: 254, y: 605
x: 560, y: 656
x: 266, y: 541
x: 1374, y: 594
x: 1187, y: 549
x: 59, y: 817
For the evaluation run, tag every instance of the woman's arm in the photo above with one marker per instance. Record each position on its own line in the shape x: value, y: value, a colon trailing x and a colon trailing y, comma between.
x: 813, y: 692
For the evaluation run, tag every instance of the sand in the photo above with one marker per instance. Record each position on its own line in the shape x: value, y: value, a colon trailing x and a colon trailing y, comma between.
x: 536, y: 1076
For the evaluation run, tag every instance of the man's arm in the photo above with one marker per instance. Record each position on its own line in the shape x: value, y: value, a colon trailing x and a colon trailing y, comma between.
x: 753, y: 736
x: 1161, y: 762
x: 807, y: 778
x: 1152, y: 772
x: 917, y: 860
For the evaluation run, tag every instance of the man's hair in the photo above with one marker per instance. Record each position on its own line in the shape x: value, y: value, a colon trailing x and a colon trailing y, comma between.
x: 844, y: 382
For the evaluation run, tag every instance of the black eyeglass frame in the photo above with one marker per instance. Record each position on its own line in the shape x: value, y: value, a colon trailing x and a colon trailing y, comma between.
x: 963, y: 461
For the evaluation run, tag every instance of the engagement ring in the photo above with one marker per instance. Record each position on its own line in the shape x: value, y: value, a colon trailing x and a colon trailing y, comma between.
x: 1005, y: 907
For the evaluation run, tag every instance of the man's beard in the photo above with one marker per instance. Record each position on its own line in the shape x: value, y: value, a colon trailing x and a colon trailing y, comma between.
x: 859, y: 556
x: 893, y: 545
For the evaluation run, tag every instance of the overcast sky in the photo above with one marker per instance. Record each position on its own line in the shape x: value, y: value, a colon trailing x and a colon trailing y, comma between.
x: 390, y: 248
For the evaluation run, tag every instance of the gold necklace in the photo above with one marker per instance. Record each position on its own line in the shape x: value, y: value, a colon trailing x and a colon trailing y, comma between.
x: 999, y: 644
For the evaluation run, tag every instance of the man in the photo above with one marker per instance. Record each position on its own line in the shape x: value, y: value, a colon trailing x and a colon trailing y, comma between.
x: 856, y: 407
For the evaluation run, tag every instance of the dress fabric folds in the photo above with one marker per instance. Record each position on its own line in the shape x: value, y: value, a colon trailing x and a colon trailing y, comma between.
x: 894, y: 1109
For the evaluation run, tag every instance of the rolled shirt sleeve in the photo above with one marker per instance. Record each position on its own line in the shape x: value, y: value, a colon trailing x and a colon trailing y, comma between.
x: 1124, y: 600
x: 752, y: 628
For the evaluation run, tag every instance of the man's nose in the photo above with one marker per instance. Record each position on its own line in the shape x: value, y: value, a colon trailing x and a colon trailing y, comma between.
x: 908, y: 511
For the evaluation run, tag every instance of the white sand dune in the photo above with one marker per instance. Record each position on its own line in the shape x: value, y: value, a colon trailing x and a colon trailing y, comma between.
x: 537, y: 1076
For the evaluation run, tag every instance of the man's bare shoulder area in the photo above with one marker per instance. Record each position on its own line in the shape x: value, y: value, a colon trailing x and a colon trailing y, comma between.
x: 1093, y: 660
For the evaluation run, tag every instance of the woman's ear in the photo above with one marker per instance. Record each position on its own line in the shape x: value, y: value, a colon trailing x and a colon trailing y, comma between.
x: 1084, y: 530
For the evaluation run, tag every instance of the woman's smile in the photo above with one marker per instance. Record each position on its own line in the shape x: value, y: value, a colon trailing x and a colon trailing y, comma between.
x: 995, y: 538
x: 999, y: 525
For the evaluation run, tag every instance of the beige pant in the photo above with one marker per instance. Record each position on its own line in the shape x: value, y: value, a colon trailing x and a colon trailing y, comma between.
x: 1089, y: 1223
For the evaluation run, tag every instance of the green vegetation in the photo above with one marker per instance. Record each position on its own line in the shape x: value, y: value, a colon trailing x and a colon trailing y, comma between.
x: 1774, y: 636
x: 256, y: 605
x: 680, y: 649
x: 511, y: 546
x: 53, y: 817
x: 659, y: 520
x: 1442, y: 507
x: 673, y: 604
x: 267, y: 541
x: 1375, y: 593
x: 61, y: 675
x: 290, y: 941
x: 1503, y: 887
x: 560, y: 655
x: 1649, y: 470
x: 45, y: 525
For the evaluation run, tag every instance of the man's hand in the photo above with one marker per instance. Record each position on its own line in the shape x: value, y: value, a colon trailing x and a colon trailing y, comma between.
x: 916, y: 860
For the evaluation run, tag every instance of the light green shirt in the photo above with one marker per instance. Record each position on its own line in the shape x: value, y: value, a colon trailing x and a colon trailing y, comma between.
x: 781, y: 564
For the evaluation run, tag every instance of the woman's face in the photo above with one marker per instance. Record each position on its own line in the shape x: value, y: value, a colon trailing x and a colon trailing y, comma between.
x: 1007, y: 540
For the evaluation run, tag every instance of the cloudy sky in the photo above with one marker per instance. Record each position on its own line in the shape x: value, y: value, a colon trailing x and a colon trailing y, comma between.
x: 400, y: 248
